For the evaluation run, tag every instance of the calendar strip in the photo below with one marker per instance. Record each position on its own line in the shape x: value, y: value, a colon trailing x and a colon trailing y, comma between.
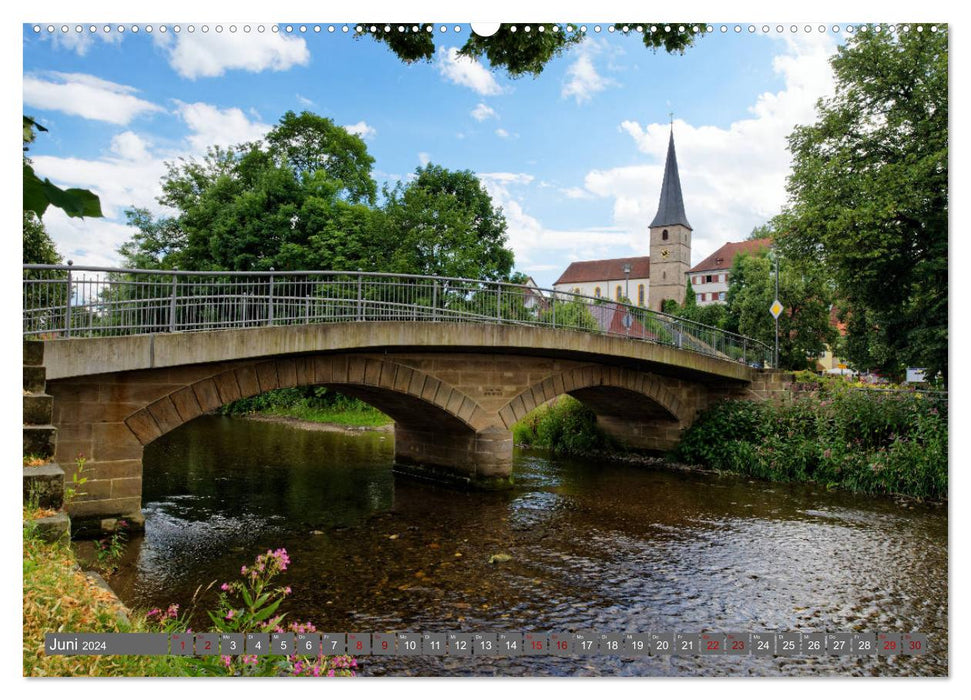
x: 493, y: 644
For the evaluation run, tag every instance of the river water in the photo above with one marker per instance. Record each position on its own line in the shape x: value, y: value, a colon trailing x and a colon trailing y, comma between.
x: 593, y: 546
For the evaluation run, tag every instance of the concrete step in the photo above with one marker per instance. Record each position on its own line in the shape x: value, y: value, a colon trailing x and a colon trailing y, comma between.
x: 44, y: 485
x: 34, y: 353
x: 53, y: 528
x: 38, y: 409
x: 35, y: 379
x: 39, y: 440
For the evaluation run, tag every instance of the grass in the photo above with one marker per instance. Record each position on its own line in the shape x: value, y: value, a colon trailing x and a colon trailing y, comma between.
x: 353, y: 416
x: 59, y: 598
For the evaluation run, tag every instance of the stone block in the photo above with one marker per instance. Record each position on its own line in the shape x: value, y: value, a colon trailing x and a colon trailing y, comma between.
x: 34, y: 352
x: 121, y: 488
x: 44, y: 485
x: 35, y: 379
x: 355, y: 370
x: 227, y: 386
x: 207, y: 395
x: 117, y: 469
x: 186, y: 404
x: 372, y: 372
x: 53, y: 528
x: 143, y: 425
x: 115, y: 441
x: 165, y: 414
x: 304, y: 368
x: 38, y: 409
x: 286, y: 372
x: 248, y: 382
x: 39, y: 440
x: 103, y: 508
x: 267, y: 377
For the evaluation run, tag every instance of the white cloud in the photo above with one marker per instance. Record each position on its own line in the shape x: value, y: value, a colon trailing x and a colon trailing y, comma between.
x: 533, y: 243
x: 86, y: 96
x: 211, y: 126
x: 81, y: 42
x: 733, y: 178
x: 576, y: 193
x: 209, y: 55
x: 130, y: 146
x: 502, y: 133
x: 305, y: 101
x: 582, y: 79
x: 362, y: 129
x: 482, y: 112
x: 130, y: 176
x: 424, y: 159
x: 462, y: 70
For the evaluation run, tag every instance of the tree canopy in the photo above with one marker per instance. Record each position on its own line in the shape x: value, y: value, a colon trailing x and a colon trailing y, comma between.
x: 519, y: 52
x: 304, y: 199
x: 868, y: 196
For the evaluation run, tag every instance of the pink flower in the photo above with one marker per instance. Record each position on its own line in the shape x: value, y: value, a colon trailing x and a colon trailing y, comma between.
x: 227, y: 661
x: 230, y: 614
x: 173, y: 610
x: 286, y: 591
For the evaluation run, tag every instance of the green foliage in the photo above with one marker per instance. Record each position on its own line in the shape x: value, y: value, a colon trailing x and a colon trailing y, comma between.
x: 564, y: 426
x: 518, y: 52
x: 804, y: 326
x: 40, y: 194
x: 866, y: 441
x: 315, y: 404
x: 38, y: 246
x: 444, y: 223
x: 869, y: 197
x: 569, y: 314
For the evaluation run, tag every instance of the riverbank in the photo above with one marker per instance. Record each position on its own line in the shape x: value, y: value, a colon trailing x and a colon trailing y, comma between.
x: 329, y: 426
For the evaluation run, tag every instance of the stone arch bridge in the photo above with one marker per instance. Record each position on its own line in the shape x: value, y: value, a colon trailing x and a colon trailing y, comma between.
x: 453, y: 388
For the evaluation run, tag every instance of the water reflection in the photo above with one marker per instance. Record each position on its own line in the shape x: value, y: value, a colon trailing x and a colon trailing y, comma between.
x: 592, y: 546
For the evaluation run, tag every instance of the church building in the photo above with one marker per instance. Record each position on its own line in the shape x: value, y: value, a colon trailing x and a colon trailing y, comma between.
x: 648, y: 280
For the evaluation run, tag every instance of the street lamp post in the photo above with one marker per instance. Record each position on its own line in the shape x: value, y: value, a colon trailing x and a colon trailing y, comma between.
x: 627, y: 283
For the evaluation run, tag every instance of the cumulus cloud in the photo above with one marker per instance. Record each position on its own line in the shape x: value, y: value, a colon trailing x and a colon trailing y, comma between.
x: 582, y: 79
x: 362, y: 129
x: 211, y: 126
x: 502, y: 133
x: 733, y: 178
x: 208, y: 55
x: 482, y: 112
x: 467, y: 72
x: 81, y: 42
x: 86, y: 96
x: 130, y: 146
x: 533, y: 243
x: 424, y: 159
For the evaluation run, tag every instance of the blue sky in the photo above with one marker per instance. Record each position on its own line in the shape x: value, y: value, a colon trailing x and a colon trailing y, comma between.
x: 574, y: 157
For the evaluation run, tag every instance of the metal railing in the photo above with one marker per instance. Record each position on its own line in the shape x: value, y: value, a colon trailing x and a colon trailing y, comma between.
x: 75, y: 301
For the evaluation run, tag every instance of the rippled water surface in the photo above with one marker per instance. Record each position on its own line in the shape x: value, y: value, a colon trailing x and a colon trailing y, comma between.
x: 593, y: 546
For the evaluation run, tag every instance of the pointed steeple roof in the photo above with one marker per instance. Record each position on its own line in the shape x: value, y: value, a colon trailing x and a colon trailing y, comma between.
x: 670, y: 210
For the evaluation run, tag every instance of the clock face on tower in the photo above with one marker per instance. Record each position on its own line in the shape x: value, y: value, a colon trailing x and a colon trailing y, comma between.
x: 665, y: 253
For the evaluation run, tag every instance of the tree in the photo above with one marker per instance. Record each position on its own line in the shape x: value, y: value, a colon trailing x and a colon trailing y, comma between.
x: 443, y: 222
x: 804, y: 325
x: 519, y: 52
x: 38, y: 246
x: 868, y: 196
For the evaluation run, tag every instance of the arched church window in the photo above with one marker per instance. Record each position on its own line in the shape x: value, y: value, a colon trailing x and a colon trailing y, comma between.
x: 617, y: 293
x: 596, y: 292
x: 640, y: 295
x: 664, y: 235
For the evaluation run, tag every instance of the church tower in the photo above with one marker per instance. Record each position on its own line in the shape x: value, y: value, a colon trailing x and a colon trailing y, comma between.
x: 670, y: 239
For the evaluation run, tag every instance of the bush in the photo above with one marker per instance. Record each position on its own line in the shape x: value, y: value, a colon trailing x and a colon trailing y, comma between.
x: 864, y: 441
x: 564, y: 426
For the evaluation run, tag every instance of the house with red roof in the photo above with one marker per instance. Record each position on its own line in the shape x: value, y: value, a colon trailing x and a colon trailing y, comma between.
x: 709, y: 278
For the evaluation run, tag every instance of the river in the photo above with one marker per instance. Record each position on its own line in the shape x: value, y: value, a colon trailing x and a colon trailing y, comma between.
x: 593, y: 546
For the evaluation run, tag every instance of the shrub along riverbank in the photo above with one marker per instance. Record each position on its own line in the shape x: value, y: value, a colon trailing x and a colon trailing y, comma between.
x: 874, y: 442
x: 314, y: 404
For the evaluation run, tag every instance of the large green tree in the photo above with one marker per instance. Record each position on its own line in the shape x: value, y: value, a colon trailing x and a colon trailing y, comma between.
x: 443, y: 222
x: 519, y: 52
x: 868, y: 196
x: 804, y: 325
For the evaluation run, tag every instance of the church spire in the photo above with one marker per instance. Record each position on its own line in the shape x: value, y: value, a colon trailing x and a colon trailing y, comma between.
x: 670, y: 210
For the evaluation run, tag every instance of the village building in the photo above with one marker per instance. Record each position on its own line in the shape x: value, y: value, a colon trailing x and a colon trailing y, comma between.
x: 709, y: 278
x: 649, y: 280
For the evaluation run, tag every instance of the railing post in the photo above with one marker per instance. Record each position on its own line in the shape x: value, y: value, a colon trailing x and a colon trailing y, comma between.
x: 554, y: 310
x: 435, y: 300
x: 744, y: 351
x: 269, y: 313
x: 306, y: 302
x: 67, y: 305
x: 680, y: 332
x: 360, y: 299
x: 175, y: 282
x: 499, y: 302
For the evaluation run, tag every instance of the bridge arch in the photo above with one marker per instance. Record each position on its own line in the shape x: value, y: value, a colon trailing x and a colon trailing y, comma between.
x: 415, y: 400
x: 594, y: 385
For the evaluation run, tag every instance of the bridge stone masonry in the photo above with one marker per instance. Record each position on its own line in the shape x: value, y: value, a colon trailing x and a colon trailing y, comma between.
x: 454, y: 391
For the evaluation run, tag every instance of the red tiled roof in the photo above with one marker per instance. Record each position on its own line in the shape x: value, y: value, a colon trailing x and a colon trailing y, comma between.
x: 723, y: 258
x: 605, y: 270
